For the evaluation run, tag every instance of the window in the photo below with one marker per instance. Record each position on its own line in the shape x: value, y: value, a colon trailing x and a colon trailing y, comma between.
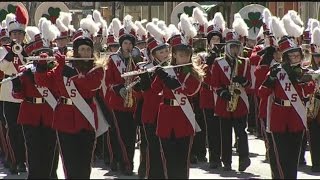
x: 280, y: 9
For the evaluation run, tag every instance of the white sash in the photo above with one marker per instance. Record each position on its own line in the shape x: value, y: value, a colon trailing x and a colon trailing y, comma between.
x: 103, y: 126
x: 253, y: 77
x: 47, y: 95
x: 298, y: 105
x: 223, y: 63
x: 118, y: 63
x: 79, y: 102
x: 269, y: 106
x: 186, y: 108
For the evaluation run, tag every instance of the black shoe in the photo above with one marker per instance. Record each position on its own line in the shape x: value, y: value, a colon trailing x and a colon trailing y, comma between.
x: 193, y: 160
x: 244, y: 163
x: 13, y: 170
x: 227, y: 167
x: 315, y: 168
x: 127, y: 172
x: 202, y: 159
x: 21, y: 167
x: 6, y: 164
x: 215, y: 165
x: 302, y: 162
x: 114, y: 166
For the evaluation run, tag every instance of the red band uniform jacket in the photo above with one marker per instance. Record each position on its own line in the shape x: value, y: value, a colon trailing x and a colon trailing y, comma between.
x: 285, y: 118
x: 29, y: 113
x: 67, y: 118
x: 219, y: 80
x: 172, y: 118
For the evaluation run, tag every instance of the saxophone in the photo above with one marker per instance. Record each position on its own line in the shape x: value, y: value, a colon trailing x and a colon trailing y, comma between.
x: 313, y: 105
x: 129, y: 99
x: 234, y: 89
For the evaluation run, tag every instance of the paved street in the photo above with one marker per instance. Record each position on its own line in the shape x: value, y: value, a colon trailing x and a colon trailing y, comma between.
x: 258, y: 169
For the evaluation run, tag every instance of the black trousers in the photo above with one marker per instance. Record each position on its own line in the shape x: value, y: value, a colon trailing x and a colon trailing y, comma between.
x: 239, y: 126
x: 214, y: 135
x: 269, y: 149
x: 286, y: 149
x: 3, y: 131
x: 153, y: 153
x: 143, y: 153
x: 176, y: 154
x: 16, y: 139
x: 42, y: 152
x: 123, y: 139
x: 314, y: 131
x: 252, y: 116
x: 77, y: 153
x: 200, y: 140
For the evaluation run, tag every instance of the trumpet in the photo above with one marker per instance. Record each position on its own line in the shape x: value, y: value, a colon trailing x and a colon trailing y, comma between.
x: 17, y: 48
x: 52, y: 58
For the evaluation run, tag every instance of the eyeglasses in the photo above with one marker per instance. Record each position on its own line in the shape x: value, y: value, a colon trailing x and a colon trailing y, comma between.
x: 295, y: 56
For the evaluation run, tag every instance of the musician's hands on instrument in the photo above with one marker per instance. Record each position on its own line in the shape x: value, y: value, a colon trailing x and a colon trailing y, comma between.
x: 240, y: 79
x: 224, y: 93
x: 16, y: 85
x: 61, y: 59
x: 274, y: 71
x: 41, y: 65
x: 69, y: 71
x: 9, y: 56
x: 210, y: 59
x: 119, y: 89
x: 170, y: 82
x: 145, y: 81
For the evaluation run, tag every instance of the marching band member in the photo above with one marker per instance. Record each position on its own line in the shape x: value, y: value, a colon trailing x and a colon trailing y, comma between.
x: 287, y: 119
x: 314, y: 119
x: 199, y: 151
x: 75, y: 116
x: 177, y: 85
x: 63, y: 39
x: 231, y: 76
x: 36, y: 109
x: 207, y: 96
x: 270, y: 55
x: 98, y: 40
x: 16, y: 24
x: 158, y: 54
x: 4, y: 40
x: 122, y: 100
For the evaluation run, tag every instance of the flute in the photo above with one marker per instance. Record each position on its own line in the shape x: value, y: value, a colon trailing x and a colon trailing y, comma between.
x: 132, y: 73
x: 51, y: 58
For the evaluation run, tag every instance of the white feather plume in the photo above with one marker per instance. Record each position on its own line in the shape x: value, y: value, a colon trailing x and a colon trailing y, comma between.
x: 143, y: 21
x: 240, y: 27
x: 31, y: 31
x: 116, y: 24
x: 188, y: 29
x: 3, y: 24
x: 295, y: 17
x: 314, y: 24
x: 105, y: 31
x: 155, y: 21
x: 155, y: 31
x: 10, y: 17
x: 173, y: 30
x: 98, y: 19
x: 266, y: 14
x: 315, y: 38
x: 162, y: 25
x: 49, y: 32
x: 237, y: 15
x: 219, y: 21
x: 309, y: 24
x: 199, y: 16
x: 277, y: 28
x: 89, y: 25
x: 66, y: 18
x: 128, y: 23
x: 71, y: 28
x: 292, y: 28
x: 141, y: 30
x: 61, y: 26
x: 41, y: 20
